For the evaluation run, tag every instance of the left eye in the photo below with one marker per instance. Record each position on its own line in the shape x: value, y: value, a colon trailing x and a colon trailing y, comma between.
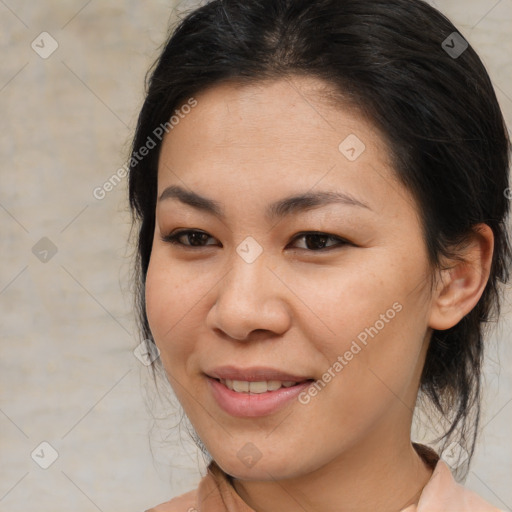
x: 315, y: 241
x: 318, y: 240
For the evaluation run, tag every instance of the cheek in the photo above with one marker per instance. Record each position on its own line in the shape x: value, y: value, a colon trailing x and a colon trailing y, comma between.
x: 377, y: 323
x: 345, y: 304
x: 158, y: 298
x: 167, y: 306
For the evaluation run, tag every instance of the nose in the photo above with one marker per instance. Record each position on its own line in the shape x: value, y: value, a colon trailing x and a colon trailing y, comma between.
x: 251, y: 302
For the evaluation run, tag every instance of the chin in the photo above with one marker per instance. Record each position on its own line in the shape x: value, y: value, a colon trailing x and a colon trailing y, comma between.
x: 279, y: 466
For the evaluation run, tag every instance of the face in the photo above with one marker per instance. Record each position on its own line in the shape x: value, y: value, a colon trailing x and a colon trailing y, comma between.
x: 329, y: 293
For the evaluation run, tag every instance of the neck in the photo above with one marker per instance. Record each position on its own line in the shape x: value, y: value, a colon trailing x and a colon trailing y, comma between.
x: 378, y: 476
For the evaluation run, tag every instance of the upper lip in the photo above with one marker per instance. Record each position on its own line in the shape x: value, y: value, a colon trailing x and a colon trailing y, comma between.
x: 254, y: 374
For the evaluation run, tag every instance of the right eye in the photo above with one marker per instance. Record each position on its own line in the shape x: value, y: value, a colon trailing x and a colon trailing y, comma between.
x: 192, y: 235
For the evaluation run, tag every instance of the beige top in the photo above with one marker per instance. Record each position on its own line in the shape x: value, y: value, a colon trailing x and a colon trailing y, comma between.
x: 442, y: 493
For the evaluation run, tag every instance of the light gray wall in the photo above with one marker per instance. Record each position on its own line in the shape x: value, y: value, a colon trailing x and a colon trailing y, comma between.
x: 68, y: 375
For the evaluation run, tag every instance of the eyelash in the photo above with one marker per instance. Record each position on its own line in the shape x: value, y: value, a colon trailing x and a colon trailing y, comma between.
x: 174, y: 239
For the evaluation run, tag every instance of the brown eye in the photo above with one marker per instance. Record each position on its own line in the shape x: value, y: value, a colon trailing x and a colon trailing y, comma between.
x: 194, y: 237
x: 316, y: 241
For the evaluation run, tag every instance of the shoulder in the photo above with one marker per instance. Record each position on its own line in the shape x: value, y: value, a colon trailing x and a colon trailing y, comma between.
x: 443, y: 493
x: 183, y: 503
x: 471, y: 501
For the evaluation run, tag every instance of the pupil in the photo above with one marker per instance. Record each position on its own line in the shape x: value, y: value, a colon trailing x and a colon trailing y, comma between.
x: 322, y: 239
x: 195, y: 237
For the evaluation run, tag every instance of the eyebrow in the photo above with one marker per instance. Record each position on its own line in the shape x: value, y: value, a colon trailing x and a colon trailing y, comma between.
x: 281, y: 208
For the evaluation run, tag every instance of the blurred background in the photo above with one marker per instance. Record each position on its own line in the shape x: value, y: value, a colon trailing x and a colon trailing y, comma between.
x: 75, y: 426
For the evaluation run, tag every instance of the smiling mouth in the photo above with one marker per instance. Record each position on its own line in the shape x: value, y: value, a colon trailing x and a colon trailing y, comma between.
x: 257, y: 396
x: 259, y: 387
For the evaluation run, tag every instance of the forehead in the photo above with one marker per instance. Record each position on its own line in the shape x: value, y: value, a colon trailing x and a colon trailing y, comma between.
x: 256, y: 141
x: 281, y: 120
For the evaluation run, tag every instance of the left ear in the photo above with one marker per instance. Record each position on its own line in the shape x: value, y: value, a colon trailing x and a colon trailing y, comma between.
x: 463, y: 280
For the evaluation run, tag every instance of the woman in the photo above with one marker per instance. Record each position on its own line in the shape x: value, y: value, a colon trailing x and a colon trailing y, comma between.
x: 320, y: 190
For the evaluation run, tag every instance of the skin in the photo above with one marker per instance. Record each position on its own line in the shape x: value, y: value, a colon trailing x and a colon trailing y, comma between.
x: 297, y: 308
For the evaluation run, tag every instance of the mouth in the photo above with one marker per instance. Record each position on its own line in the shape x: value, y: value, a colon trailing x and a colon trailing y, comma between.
x: 255, y: 374
x: 258, y: 387
x: 254, y: 392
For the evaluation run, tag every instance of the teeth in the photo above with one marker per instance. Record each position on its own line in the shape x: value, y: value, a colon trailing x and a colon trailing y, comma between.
x: 257, y: 387
x: 272, y: 385
x: 242, y: 386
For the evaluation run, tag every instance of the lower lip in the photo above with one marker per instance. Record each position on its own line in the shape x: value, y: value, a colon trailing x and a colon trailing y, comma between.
x: 245, y: 405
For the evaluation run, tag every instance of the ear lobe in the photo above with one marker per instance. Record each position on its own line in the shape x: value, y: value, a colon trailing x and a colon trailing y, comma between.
x: 461, y: 285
